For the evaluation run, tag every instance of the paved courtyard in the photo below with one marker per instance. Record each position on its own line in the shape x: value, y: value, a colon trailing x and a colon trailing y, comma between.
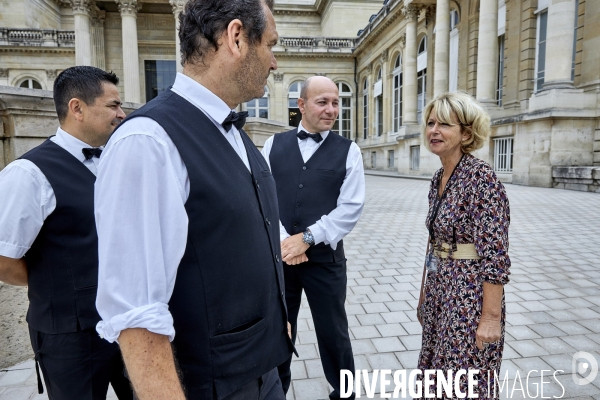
x: 553, y: 299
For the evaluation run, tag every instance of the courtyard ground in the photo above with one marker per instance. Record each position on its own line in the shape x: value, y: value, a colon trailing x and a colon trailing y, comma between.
x: 553, y: 299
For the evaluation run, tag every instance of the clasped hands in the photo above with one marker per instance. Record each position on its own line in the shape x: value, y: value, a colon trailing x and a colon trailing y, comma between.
x: 293, y: 250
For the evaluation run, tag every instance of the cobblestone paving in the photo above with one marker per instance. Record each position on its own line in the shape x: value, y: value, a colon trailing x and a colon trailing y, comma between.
x: 553, y: 299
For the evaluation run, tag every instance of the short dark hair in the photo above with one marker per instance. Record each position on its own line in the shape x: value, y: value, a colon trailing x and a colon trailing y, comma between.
x: 202, y: 23
x: 81, y: 82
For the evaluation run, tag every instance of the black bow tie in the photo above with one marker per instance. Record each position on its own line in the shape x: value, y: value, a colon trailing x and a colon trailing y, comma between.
x: 314, y: 136
x: 91, y: 152
x: 237, y: 119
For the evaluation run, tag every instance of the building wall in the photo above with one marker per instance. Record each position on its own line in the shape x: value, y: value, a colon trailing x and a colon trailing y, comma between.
x: 30, y: 14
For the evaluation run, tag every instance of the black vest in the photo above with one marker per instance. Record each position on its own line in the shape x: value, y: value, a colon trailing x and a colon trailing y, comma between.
x: 63, y: 260
x: 228, y: 302
x: 307, y: 191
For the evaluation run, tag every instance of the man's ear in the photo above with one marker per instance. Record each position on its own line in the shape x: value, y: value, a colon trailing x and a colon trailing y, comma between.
x: 76, y: 107
x: 233, y: 38
x: 301, y: 104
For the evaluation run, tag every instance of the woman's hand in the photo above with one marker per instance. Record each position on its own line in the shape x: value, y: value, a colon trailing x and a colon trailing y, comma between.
x: 488, y: 331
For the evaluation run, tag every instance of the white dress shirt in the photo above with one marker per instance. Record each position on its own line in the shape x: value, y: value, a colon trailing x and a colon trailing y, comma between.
x: 140, y: 197
x: 27, y: 199
x: 333, y: 227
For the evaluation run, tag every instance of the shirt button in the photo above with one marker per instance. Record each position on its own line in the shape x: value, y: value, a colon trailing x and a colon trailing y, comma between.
x: 304, y: 168
x: 298, y: 205
x: 300, y: 186
x: 295, y: 225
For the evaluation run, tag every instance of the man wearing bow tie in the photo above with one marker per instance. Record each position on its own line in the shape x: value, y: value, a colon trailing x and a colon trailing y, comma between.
x: 187, y: 214
x: 321, y: 191
x: 48, y: 239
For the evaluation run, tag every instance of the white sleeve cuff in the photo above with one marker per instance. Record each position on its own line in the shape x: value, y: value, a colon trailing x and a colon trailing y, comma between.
x: 320, y: 236
x: 12, y: 250
x: 154, y: 317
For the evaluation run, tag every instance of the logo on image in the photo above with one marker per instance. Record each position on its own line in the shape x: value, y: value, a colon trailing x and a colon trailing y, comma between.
x: 585, y: 368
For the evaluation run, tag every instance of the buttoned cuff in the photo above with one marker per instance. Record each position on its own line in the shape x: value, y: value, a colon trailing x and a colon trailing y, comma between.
x: 156, y: 318
x: 319, y: 235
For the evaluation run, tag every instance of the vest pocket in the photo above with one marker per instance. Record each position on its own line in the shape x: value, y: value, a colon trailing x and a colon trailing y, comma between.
x: 326, y: 172
x: 239, y: 333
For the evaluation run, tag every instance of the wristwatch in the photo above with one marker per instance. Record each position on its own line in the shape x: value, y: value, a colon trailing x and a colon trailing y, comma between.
x: 308, y: 238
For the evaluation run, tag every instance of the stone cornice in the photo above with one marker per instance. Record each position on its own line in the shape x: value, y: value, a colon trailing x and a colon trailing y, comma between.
x: 23, y: 49
x: 129, y: 7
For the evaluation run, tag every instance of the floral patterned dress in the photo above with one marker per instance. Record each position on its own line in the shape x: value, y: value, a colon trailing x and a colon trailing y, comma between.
x: 474, y: 210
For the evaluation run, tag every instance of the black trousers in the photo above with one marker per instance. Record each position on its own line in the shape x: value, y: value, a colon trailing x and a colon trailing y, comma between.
x: 79, y: 365
x: 325, y: 286
x: 267, y: 387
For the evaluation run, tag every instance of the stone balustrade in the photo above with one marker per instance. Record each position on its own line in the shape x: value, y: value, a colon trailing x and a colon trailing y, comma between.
x: 316, y: 42
x: 36, y: 37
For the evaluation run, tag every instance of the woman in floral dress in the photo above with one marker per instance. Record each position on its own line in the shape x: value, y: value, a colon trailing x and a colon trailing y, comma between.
x: 462, y: 308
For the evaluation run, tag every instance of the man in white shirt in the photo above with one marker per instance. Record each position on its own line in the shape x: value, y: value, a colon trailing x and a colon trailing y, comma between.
x: 321, y: 192
x: 48, y: 239
x: 186, y: 211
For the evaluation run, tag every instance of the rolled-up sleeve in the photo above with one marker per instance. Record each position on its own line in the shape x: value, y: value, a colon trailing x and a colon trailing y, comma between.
x: 491, y: 217
x: 142, y: 229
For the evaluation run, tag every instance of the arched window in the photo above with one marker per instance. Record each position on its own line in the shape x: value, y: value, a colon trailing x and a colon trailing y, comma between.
x: 259, y: 107
x: 293, y: 111
x: 453, y: 61
x: 421, y: 77
x: 343, y: 125
x: 378, y: 92
x: 366, y: 108
x: 397, y: 94
x: 30, y: 83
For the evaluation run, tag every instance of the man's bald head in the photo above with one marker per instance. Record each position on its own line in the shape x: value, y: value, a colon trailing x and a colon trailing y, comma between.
x: 318, y: 80
x: 319, y: 104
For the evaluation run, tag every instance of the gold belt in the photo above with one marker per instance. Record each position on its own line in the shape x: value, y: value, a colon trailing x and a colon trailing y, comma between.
x: 465, y: 251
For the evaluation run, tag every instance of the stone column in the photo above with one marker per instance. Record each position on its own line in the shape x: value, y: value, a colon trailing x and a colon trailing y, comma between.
x: 131, y: 62
x: 97, y: 31
x: 442, y: 47
x: 83, y: 41
x: 487, y: 52
x: 177, y: 9
x: 559, y: 44
x: 409, y: 67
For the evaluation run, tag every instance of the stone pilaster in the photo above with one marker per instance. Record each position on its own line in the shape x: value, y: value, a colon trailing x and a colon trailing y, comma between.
x: 487, y: 52
x: 409, y: 68
x: 559, y: 44
x: 3, y: 76
x: 83, y: 41
x: 442, y: 48
x: 131, y: 62
x: 97, y: 32
x: 178, y: 6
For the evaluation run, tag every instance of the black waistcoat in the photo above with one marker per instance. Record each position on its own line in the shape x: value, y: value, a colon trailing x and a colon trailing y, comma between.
x: 307, y: 191
x: 63, y: 260
x: 228, y: 302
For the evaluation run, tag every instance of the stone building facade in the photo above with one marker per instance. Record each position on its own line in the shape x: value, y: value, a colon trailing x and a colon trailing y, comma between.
x: 535, y: 64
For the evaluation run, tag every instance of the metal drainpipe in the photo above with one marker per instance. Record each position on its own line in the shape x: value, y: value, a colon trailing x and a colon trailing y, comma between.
x: 355, y: 102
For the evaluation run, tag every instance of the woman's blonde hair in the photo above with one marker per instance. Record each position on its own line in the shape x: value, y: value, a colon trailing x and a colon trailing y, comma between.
x: 471, y: 116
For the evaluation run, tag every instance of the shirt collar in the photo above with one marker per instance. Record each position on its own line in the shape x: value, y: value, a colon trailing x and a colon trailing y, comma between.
x: 71, y: 144
x: 211, y: 104
x: 302, y: 128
